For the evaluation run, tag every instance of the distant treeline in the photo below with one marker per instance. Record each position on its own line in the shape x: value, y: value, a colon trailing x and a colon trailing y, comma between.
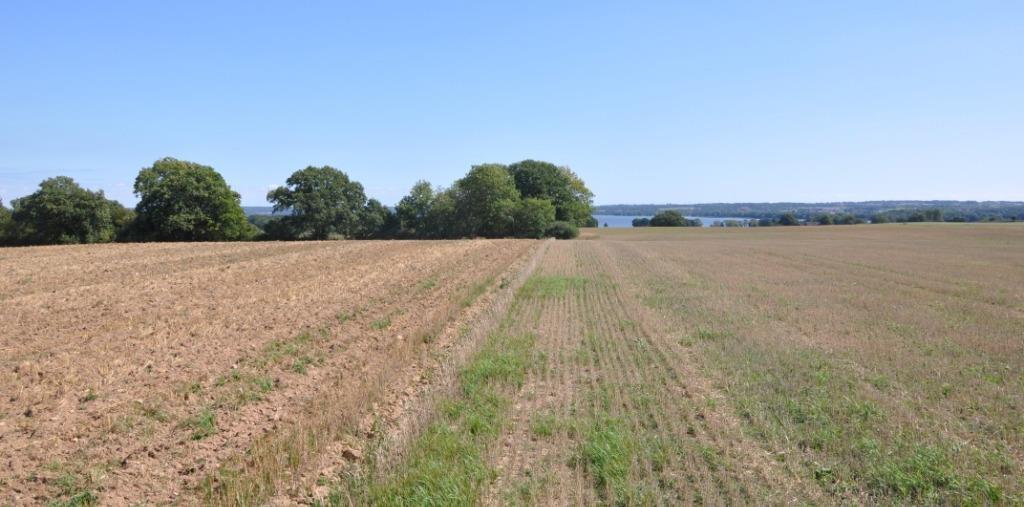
x: 673, y: 218
x: 893, y: 211
x: 186, y: 201
x: 667, y: 218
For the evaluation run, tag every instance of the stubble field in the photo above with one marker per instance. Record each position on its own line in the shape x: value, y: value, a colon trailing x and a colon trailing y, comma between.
x: 806, y: 365
x: 810, y: 365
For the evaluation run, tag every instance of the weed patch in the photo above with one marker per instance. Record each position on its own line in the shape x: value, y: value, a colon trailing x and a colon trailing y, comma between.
x: 202, y: 424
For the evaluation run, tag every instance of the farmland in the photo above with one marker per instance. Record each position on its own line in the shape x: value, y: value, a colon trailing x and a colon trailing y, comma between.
x: 860, y: 364
x: 131, y: 371
x: 872, y: 364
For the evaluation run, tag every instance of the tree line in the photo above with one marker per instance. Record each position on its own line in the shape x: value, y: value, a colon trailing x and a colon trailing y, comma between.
x: 892, y: 211
x: 667, y: 218
x: 674, y: 218
x: 186, y: 201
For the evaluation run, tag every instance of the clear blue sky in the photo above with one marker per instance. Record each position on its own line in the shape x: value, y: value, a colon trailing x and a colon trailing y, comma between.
x: 648, y: 102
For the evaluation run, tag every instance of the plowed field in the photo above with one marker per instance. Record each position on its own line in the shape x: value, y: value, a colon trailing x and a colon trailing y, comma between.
x: 791, y: 365
x: 132, y: 373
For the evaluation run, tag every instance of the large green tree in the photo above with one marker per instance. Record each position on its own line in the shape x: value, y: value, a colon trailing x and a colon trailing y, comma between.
x: 533, y: 217
x: 62, y: 212
x: 186, y: 201
x: 572, y: 200
x: 414, y: 209
x: 485, y: 200
x: 322, y: 202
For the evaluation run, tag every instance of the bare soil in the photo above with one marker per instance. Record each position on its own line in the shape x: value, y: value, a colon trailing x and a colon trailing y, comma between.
x: 133, y: 371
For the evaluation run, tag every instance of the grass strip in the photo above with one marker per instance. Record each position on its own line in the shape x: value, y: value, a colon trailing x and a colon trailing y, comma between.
x: 446, y: 465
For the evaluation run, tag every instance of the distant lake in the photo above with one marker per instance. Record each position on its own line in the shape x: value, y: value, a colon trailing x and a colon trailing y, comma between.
x: 627, y: 220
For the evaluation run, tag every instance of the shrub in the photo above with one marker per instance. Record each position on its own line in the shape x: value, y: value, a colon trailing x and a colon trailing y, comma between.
x: 562, y: 230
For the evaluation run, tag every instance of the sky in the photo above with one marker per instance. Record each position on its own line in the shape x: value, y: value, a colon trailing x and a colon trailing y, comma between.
x: 649, y: 102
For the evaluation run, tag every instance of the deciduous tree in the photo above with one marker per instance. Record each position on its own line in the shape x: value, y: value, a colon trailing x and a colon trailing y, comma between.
x: 533, y: 217
x: 321, y: 202
x: 485, y: 200
x: 186, y: 201
x: 62, y: 212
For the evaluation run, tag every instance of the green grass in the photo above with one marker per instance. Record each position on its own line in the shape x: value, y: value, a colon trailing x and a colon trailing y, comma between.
x: 800, y: 396
x: 552, y: 286
x: 278, y: 351
x: 80, y: 499
x: 202, y: 424
x: 241, y: 387
x: 447, y: 463
x: 544, y: 424
x: 475, y: 292
x: 73, y: 490
x: 382, y: 323
x: 300, y: 364
x: 607, y: 454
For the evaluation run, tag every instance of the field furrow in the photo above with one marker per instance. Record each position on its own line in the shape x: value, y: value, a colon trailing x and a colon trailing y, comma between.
x: 804, y: 365
x: 201, y: 360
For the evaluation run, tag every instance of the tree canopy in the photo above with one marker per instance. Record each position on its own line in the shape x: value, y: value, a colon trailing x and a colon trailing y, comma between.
x: 322, y: 202
x: 414, y: 209
x: 63, y: 212
x: 376, y: 221
x: 524, y: 199
x: 533, y: 217
x: 671, y: 218
x: 5, y: 224
x: 572, y: 200
x: 788, y: 219
x: 186, y: 201
x: 485, y: 201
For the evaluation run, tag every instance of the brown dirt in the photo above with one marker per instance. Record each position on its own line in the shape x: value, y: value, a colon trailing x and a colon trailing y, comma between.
x: 107, y: 352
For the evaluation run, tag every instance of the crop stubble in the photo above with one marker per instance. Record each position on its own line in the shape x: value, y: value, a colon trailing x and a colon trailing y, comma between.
x: 867, y: 364
x: 113, y: 355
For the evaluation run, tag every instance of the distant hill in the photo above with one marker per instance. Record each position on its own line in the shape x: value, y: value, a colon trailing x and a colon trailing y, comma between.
x: 258, y: 210
x: 969, y: 211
